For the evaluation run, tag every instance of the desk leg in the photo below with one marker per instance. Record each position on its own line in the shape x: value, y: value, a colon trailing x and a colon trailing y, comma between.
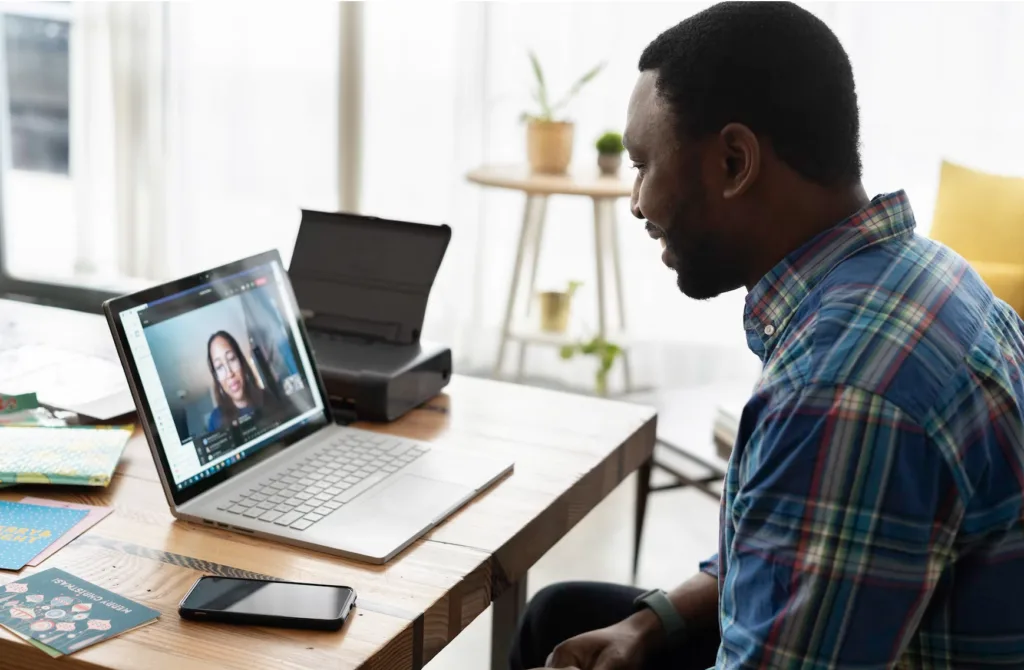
x: 508, y: 609
x: 513, y: 291
x: 643, y: 490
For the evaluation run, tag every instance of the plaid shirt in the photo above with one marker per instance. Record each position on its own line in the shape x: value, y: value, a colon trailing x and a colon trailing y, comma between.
x: 872, y: 509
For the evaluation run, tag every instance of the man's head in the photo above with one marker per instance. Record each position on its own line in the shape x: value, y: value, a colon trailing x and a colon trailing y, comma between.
x: 734, y: 105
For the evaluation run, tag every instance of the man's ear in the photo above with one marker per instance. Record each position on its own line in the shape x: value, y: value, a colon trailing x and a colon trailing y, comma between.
x: 742, y: 152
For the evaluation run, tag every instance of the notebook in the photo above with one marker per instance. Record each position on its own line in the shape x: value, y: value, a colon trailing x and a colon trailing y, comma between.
x: 78, y: 455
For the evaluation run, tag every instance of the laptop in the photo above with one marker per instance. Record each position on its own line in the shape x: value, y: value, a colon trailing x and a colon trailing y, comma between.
x: 236, y: 415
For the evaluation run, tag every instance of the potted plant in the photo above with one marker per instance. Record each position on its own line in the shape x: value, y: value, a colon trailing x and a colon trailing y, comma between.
x: 548, y: 135
x: 555, y: 308
x: 609, y: 153
x: 606, y: 354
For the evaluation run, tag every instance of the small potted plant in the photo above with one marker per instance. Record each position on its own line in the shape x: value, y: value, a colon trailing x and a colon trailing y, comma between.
x: 548, y: 135
x: 609, y: 153
x: 605, y: 352
x: 555, y: 307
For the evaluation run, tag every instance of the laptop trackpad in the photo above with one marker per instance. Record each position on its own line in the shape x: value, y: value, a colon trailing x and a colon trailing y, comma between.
x: 384, y: 518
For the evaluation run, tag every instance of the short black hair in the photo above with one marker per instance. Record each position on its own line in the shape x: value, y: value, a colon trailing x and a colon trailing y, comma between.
x: 773, y: 67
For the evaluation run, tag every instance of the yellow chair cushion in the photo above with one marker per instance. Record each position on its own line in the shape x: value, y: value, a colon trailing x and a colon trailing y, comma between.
x: 980, y: 216
x: 1006, y: 280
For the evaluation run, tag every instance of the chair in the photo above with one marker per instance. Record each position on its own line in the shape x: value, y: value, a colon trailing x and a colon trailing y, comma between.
x: 981, y: 217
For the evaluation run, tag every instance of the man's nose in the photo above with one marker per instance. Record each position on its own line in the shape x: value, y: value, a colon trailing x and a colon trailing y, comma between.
x: 634, y: 206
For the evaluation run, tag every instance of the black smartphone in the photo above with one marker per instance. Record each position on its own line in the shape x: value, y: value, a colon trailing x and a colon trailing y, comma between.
x: 268, y: 603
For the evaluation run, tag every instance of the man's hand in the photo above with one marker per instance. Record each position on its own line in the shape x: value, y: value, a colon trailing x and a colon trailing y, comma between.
x: 623, y: 646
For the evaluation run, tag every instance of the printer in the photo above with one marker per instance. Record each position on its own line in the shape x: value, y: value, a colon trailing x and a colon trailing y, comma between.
x: 362, y: 284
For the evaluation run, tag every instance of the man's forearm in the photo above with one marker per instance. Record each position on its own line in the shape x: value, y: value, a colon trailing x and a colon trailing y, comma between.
x: 696, y: 600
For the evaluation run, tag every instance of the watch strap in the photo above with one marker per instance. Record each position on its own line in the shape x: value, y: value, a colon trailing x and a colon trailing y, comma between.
x: 658, y: 602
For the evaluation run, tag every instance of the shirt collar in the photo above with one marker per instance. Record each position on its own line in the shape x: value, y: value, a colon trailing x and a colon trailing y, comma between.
x: 775, y: 298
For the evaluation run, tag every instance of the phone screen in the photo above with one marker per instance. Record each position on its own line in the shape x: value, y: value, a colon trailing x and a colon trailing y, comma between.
x: 277, y: 599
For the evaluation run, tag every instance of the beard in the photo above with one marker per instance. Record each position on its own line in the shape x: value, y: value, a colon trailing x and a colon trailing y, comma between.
x: 704, y: 265
x: 696, y: 274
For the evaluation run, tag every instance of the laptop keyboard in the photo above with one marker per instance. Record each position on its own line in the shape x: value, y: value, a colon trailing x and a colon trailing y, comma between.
x: 332, y: 476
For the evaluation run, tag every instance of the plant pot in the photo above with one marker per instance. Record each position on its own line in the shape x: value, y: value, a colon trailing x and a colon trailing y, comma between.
x: 609, y: 163
x: 554, y: 311
x: 549, y: 146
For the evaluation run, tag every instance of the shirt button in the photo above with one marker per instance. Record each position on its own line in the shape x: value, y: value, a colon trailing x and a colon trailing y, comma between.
x: 769, y: 330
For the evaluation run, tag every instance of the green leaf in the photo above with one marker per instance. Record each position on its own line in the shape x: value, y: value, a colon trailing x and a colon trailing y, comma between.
x: 610, y: 143
x: 541, y: 94
x: 567, y: 351
x: 575, y: 88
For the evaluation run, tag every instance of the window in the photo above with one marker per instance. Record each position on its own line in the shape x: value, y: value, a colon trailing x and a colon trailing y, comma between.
x: 37, y: 89
x: 144, y: 141
x: 37, y: 232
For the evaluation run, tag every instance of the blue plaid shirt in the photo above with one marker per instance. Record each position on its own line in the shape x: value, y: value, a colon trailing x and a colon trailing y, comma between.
x: 872, y: 509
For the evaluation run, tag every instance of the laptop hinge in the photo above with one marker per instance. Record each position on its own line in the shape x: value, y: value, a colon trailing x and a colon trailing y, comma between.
x: 343, y: 410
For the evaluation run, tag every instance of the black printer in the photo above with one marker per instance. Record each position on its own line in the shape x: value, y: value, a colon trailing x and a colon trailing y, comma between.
x: 362, y: 284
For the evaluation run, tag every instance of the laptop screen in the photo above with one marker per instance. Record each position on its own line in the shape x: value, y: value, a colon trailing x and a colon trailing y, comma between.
x: 223, y: 369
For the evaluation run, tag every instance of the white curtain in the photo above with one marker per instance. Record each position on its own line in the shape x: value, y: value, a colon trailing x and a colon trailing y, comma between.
x: 118, y: 133
x: 199, y: 131
x: 446, y: 82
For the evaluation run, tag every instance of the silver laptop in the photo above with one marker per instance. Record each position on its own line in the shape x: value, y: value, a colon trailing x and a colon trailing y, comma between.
x: 235, y: 412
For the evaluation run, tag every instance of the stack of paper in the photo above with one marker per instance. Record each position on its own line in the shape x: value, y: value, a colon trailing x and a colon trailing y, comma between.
x: 726, y: 424
x: 61, y: 614
x: 82, y: 455
x: 33, y: 530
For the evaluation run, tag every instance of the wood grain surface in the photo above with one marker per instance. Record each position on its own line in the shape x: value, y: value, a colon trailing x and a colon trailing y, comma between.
x: 570, y: 452
x: 520, y: 178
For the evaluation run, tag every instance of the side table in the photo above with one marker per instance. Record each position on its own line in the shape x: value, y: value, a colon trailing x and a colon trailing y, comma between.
x: 604, y: 191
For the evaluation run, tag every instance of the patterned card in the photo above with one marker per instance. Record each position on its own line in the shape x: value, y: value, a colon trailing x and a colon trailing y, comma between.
x: 17, y: 403
x: 93, y: 516
x: 65, y: 614
x: 82, y: 455
x: 26, y: 530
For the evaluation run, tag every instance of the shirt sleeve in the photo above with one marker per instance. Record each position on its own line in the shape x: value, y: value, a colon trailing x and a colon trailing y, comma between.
x: 709, y: 566
x: 843, y: 525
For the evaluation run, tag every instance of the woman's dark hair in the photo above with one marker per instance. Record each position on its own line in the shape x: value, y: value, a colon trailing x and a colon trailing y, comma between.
x: 253, y: 392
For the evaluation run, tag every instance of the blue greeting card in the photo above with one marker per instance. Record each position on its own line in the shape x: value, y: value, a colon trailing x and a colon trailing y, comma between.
x: 25, y: 530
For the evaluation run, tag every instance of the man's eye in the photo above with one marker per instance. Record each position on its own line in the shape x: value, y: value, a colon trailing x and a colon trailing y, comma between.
x: 640, y: 167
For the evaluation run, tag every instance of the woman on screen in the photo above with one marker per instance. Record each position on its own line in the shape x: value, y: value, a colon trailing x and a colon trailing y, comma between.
x: 234, y: 384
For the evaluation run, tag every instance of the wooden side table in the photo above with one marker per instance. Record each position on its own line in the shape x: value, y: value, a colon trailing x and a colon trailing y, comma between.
x: 604, y: 191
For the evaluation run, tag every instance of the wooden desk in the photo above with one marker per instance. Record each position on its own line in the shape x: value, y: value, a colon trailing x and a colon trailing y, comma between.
x: 604, y: 191
x: 570, y: 452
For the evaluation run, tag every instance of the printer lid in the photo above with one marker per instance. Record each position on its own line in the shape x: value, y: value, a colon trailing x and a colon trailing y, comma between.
x: 366, y: 276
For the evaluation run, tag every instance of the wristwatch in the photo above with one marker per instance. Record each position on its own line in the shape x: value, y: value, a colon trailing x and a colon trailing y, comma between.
x: 657, y: 601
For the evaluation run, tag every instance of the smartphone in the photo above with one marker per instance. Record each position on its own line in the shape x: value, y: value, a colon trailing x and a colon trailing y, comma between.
x: 268, y: 603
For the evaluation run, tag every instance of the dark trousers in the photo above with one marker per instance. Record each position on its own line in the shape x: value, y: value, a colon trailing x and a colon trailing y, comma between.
x: 566, y: 610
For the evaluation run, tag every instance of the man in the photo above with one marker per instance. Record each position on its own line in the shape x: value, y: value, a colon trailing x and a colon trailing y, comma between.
x: 871, y: 514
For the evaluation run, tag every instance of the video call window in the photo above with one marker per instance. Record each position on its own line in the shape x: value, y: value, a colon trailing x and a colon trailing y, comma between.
x: 229, y: 368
